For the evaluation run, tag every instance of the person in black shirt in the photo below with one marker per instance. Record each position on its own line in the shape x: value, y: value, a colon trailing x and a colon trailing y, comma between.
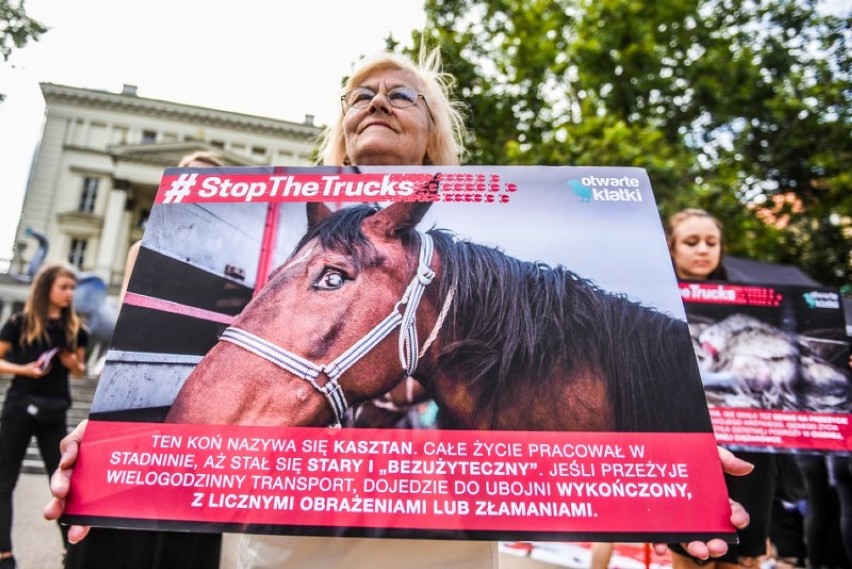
x: 39, y: 347
x: 696, y: 245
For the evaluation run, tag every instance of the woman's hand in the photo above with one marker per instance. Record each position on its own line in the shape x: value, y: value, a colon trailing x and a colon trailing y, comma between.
x: 733, y: 465
x: 60, y: 481
x: 73, y: 362
x: 714, y: 547
x: 739, y: 517
x: 32, y: 370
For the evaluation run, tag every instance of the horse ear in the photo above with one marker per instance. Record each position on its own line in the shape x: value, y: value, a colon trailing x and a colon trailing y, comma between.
x: 317, y: 211
x: 397, y: 218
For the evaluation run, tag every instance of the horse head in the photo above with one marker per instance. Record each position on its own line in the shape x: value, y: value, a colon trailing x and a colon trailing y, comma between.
x: 337, y: 324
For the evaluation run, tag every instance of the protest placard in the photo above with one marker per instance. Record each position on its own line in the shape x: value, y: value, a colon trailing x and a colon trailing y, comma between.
x: 518, y: 328
x: 774, y: 363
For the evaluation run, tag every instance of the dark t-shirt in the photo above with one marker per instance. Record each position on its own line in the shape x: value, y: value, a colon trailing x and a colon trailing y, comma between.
x: 55, y: 382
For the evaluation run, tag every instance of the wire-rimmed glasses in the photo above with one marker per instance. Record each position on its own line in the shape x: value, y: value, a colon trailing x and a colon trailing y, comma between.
x: 398, y: 98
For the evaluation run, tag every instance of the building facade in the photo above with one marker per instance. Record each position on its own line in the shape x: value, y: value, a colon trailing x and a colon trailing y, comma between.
x: 99, y: 163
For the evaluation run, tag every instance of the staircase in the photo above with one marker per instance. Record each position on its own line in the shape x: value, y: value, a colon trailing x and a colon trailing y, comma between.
x: 82, y: 393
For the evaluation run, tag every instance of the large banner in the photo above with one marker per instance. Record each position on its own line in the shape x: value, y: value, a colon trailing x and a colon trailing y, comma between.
x: 774, y: 360
x: 460, y: 353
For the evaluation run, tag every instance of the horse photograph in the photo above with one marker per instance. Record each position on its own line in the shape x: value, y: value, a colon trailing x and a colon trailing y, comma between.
x: 331, y: 354
x: 530, y: 315
x: 791, y: 357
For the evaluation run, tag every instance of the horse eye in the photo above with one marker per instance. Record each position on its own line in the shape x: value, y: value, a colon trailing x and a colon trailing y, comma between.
x: 330, y: 280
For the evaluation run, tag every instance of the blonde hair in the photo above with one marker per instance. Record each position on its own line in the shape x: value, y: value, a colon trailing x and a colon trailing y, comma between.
x: 674, y: 220
x: 37, y: 305
x: 204, y: 156
x: 445, y: 145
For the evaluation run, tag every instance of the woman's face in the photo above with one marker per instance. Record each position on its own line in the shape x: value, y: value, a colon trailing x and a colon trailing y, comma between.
x: 381, y: 134
x: 62, y: 292
x: 696, y: 248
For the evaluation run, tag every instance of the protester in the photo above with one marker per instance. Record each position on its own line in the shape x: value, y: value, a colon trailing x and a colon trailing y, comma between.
x: 108, y: 548
x: 823, y: 535
x: 40, y: 347
x: 197, y: 159
x: 393, y: 112
x: 201, y: 159
x: 840, y: 467
x: 786, y: 523
x: 696, y: 247
x: 695, y: 244
x: 828, y: 517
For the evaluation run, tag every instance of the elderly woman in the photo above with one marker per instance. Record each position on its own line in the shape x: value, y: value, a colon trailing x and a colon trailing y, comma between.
x: 393, y: 112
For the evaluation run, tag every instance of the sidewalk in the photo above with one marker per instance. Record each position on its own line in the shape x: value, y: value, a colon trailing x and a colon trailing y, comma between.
x: 38, y: 544
x: 230, y: 542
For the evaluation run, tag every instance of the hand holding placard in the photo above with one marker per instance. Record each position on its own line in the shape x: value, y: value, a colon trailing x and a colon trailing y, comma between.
x: 45, y: 359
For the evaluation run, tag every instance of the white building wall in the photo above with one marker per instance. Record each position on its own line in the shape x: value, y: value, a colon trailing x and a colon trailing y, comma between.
x: 90, y: 133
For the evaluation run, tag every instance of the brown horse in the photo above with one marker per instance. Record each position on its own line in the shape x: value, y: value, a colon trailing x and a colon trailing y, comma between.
x: 499, y: 343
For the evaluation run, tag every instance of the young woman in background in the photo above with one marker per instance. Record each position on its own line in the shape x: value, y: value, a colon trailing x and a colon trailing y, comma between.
x: 696, y: 247
x: 40, y: 347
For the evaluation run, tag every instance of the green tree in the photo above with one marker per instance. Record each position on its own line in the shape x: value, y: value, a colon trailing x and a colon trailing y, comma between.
x: 739, y: 106
x: 16, y: 27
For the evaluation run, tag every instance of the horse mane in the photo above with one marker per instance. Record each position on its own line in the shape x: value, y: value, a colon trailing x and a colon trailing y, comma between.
x: 340, y: 231
x: 513, y: 322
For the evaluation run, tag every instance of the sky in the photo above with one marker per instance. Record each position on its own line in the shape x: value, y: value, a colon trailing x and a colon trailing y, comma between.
x: 275, y: 59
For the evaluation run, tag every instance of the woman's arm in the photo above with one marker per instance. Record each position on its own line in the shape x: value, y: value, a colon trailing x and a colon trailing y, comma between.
x: 74, y: 361
x: 31, y: 369
x: 739, y: 516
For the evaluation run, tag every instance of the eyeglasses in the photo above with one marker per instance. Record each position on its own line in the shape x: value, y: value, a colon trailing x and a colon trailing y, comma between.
x: 399, y: 98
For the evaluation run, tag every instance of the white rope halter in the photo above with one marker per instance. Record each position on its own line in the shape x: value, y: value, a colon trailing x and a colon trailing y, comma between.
x: 310, y: 371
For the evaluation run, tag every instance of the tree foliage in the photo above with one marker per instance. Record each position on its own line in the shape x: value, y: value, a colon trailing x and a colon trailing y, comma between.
x: 738, y: 106
x: 16, y: 27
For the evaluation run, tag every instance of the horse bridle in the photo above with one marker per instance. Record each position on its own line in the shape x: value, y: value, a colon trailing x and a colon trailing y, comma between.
x: 408, y: 345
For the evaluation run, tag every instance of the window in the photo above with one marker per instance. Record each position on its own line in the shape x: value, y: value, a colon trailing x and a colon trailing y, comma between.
x: 78, y: 133
x: 149, y: 137
x: 77, y: 252
x: 97, y: 135
x: 88, y: 195
x: 119, y: 135
x: 258, y: 151
x: 284, y: 157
